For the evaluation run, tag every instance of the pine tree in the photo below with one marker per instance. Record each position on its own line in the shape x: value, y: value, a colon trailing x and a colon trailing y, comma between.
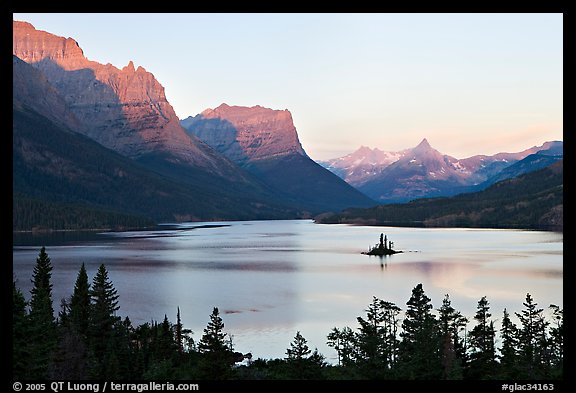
x: 453, y: 350
x: 20, y: 335
x: 178, y: 332
x: 419, y: 355
x: 124, y: 351
x: 301, y: 362
x: 217, y: 354
x: 344, y: 342
x: 377, y: 343
x: 298, y: 350
x: 165, y: 345
x: 370, y: 339
x: 481, y: 338
x: 42, y: 336
x: 508, y: 350
x: 80, y: 303
x: 557, y: 341
x: 102, y: 319
x: 533, y: 343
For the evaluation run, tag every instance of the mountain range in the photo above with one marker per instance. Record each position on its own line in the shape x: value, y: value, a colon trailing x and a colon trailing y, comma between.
x: 533, y: 200
x: 99, y: 146
x: 423, y: 172
x: 106, y: 138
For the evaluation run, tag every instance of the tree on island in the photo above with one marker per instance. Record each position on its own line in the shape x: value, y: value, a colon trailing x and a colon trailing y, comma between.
x: 383, y: 245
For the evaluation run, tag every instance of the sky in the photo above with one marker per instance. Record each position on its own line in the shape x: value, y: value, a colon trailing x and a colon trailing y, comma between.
x: 470, y: 83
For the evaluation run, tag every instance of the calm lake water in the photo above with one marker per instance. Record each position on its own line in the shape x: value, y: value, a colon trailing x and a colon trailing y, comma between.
x: 272, y: 278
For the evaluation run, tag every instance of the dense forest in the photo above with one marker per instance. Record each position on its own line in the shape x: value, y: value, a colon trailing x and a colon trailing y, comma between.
x: 30, y: 214
x: 87, y: 340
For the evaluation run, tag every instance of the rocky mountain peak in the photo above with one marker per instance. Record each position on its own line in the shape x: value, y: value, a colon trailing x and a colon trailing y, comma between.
x: 17, y: 24
x: 33, y: 46
x: 423, y: 145
x: 122, y: 109
x: 129, y: 68
x: 246, y: 133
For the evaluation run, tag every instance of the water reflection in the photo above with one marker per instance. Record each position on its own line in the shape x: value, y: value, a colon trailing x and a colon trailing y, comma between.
x: 271, y: 278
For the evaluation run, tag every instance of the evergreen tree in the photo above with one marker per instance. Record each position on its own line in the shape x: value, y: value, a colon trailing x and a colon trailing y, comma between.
x: 178, y: 333
x: 481, y: 338
x: 453, y: 349
x: 217, y: 355
x: 370, y: 339
x: 508, y: 350
x: 165, y: 345
x: 102, y: 320
x: 301, y: 362
x: 42, y: 336
x: 80, y: 303
x: 419, y: 355
x: 533, y: 343
x: 557, y: 341
x: 70, y: 356
x: 124, y: 352
x: 20, y: 335
x: 377, y: 339
x: 344, y: 342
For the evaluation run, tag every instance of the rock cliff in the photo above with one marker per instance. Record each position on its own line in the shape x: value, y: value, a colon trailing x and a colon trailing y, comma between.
x: 246, y: 133
x: 123, y: 109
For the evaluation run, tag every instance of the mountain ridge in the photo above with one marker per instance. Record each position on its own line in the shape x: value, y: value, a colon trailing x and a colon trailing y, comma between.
x: 265, y: 142
x: 422, y: 171
x: 123, y: 109
x: 533, y: 200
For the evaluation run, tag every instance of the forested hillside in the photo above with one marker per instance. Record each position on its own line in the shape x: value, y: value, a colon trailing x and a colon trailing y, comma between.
x: 531, y: 201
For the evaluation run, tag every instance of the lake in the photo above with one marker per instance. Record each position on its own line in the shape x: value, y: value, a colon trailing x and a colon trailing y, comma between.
x: 270, y: 279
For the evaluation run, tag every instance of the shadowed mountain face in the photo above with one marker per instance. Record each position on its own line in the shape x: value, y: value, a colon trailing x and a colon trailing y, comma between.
x: 265, y: 142
x: 32, y: 89
x: 246, y: 134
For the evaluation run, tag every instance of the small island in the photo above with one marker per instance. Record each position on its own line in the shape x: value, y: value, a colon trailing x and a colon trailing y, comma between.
x: 385, y: 247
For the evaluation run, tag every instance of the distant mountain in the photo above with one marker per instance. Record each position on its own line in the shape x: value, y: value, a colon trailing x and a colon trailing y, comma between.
x: 550, y: 153
x: 531, y: 201
x: 265, y: 143
x: 422, y: 172
x: 363, y: 164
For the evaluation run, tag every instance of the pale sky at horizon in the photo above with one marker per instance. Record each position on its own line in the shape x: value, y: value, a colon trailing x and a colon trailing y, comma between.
x: 469, y: 83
